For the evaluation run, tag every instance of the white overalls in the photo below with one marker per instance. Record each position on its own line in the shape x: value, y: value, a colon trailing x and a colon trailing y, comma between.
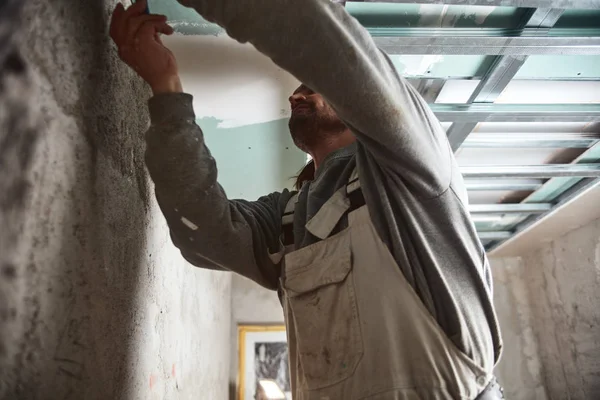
x: 356, y: 329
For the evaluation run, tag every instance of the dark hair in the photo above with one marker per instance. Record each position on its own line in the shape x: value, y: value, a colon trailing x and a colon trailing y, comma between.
x: 306, y: 174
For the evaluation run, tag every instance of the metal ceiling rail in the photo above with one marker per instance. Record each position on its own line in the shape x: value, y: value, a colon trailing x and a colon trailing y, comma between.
x: 530, y: 171
x: 585, y: 4
x: 536, y: 140
x: 574, y: 193
x: 487, y: 32
x: 519, y: 45
x: 493, y: 112
x: 517, y: 208
x: 499, y: 75
x: 499, y: 186
x: 494, y: 235
x: 428, y: 88
x: 554, y: 187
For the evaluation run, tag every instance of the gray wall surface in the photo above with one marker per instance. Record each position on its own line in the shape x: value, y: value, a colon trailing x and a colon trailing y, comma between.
x: 519, y: 370
x: 95, y: 302
x: 549, y: 306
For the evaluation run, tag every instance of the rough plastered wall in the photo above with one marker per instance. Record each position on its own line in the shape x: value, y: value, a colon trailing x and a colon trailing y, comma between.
x: 549, y: 307
x: 519, y: 369
x: 95, y: 302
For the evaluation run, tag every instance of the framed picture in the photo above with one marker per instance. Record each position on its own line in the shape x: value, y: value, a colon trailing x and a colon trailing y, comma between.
x: 263, y: 355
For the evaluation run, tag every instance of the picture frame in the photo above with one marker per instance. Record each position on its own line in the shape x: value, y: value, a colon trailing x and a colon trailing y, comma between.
x: 262, y: 354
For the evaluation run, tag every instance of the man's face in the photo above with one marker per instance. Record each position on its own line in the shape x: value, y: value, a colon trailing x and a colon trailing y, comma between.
x: 312, y: 118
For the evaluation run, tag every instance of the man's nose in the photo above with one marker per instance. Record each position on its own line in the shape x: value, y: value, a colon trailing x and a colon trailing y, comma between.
x: 296, y: 98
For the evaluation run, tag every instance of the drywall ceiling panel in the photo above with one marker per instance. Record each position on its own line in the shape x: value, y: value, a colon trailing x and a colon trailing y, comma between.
x: 560, y: 67
x: 579, y: 19
x: 457, y: 91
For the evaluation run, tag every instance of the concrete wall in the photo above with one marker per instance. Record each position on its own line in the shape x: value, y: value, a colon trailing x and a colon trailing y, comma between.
x: 95, y: 302
x: 520, y: 370
x: 549, y: 306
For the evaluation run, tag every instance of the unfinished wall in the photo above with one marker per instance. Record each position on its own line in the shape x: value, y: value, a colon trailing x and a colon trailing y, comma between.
x: 95, y: 302
x: 549, y: 303
x: 520, y: 370
x: 568, y: 270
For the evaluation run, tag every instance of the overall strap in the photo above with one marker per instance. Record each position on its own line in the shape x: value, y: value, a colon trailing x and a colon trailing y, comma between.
x: 354, y: 192
x: 347, y: 199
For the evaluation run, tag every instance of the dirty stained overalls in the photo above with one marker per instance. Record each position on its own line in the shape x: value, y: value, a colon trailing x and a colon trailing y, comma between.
x: 356, y: 328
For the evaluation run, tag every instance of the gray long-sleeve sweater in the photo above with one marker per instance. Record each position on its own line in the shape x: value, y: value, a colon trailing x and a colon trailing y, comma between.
x: 410, y: 179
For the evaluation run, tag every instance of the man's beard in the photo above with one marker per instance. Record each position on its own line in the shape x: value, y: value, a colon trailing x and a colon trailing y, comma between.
x: 310, y: 128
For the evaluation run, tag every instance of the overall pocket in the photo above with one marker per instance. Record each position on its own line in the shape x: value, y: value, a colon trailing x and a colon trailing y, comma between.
x: 320, y: 288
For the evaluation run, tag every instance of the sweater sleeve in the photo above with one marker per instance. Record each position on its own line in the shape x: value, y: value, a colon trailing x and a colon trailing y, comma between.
x: 210, y: 230
x: 327, y: 49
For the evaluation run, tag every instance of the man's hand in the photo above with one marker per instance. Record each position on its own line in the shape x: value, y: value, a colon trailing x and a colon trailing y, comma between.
x: 136, y: 35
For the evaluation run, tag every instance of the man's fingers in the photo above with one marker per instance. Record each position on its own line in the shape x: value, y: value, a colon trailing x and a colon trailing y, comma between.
x: 146, y: 36
x: 134, y: 24
x: 136, y: 9
x: 167, y: 29
x: 150, y: 28
x: 117, y: 20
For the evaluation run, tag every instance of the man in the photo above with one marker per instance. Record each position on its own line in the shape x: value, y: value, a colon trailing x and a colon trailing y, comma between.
x: 385, y: 286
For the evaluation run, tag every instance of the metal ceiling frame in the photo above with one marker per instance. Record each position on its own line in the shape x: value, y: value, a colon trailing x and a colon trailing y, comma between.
x: 530, y: 171
x: 529, y: 139
x: 496, y: 45
x: 499, y: 76
x: 538, y: 208
x: 494, y: 112
x: 578, y: 190
x: 512, y: 48
x: 502, y: 186
x: 580, y: 4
